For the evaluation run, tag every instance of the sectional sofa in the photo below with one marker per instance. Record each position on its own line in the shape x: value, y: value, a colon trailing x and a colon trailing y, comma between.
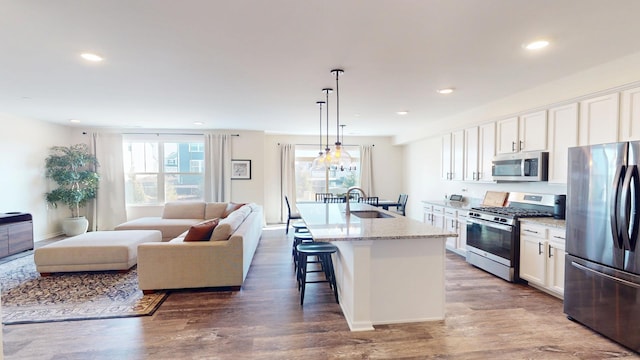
x: 220, y: 260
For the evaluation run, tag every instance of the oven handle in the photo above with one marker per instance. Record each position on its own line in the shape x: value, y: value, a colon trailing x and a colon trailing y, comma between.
x: 508, y: 228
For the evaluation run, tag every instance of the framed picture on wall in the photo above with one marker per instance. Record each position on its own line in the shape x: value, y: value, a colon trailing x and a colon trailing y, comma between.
x: 240, y: 169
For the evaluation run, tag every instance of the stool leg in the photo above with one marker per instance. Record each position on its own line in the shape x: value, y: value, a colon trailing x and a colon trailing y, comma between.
x: 332, y: 276
x: 303, y: 276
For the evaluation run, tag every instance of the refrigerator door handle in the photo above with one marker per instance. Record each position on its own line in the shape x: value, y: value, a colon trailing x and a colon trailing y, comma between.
x: 635, y: 218
x: 615, y: 207
x: 625, y: 210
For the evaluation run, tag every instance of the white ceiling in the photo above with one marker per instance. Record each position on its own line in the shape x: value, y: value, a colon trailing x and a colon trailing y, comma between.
x: 261, y: 65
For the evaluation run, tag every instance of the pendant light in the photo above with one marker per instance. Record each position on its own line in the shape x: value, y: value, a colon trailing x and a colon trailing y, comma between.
x: 318, y: 162
x: 341, y: 158
x: 327, y: 151
x: 352, y: 166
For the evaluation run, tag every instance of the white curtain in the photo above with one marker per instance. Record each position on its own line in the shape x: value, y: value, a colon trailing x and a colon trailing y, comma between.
x: 366, y: 169
x: 288, y: 179
x: 108, y: 209
x: 217, y: 174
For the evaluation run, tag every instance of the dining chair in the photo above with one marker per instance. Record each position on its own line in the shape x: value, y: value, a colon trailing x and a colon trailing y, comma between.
x: 402, y: 204
x: 371, y: 200
x: 335, y: 199
x: 321, y: 196
x: 291, y: 215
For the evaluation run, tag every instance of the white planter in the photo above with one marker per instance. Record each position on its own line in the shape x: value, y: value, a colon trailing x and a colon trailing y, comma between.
x: 75, y: 226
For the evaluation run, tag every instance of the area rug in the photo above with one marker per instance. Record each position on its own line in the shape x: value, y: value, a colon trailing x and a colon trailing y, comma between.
x: 29, y: 298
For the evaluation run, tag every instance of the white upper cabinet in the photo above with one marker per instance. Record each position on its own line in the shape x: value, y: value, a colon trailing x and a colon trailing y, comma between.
x: 533, y: 131
x: 630, y: 115
x: 507, y: 135
x: 457, y: 159
x: 525, y: 133
x: 563, y: 134
x: 471, y: 169
x: 479, y: 149
x: 453, y: 155
x: 599, y: 119
x: 446, y: 157
x: 486, y: 151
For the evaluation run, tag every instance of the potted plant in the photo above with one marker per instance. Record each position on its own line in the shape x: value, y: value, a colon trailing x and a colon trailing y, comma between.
x: 73, y: 168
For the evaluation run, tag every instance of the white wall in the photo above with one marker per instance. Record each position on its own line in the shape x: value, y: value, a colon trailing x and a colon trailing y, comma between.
x: 387, y: 168
x: 24, y: 144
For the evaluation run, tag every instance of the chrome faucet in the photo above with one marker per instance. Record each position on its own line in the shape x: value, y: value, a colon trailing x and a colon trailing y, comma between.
x: 347, y: 196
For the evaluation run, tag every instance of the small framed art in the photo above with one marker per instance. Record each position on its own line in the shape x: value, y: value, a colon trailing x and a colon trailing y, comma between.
x: 240, y: 169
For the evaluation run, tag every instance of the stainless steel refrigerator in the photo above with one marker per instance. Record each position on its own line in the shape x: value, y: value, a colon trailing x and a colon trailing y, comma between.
x: 602, y: 268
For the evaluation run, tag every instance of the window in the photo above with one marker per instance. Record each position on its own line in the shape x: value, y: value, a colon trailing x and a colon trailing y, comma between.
x: 310, y: 181
x: 158, y: 171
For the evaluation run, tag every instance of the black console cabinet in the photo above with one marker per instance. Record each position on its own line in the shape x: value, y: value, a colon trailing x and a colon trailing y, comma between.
x: 16, y: 233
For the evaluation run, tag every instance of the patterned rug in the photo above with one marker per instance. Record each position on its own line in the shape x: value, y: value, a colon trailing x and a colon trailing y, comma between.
x: 29, y: 298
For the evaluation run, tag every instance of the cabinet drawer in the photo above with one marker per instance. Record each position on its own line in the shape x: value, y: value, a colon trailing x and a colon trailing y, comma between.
x: 557, y: 235
x: 450, y: 212
x: 438, y: 210
x: 527, y: 229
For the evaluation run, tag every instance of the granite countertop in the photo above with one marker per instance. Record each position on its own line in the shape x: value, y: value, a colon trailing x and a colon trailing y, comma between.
x: 546, y: 221
x: 450, y: 204
x: 329, y: 222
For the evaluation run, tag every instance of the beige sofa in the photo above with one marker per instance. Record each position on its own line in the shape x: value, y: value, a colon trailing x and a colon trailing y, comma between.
x: 178, y: 264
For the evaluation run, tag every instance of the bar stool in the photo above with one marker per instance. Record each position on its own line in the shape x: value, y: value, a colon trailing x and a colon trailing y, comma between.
x: 323, y: 251
x: 299, y: 226
x: 299, y: 238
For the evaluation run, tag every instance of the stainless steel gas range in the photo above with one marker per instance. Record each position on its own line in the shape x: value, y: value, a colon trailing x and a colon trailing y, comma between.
x: 493, y: 233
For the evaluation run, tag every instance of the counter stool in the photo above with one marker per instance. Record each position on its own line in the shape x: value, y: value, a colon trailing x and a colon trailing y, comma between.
x: 323, y: 251
x: 299, y: 226
x: 299, y: 238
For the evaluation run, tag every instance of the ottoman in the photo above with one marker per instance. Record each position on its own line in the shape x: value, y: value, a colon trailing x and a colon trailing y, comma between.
x: 94, y: 251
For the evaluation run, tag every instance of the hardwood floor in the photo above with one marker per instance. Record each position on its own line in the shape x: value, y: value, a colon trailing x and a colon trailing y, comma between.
x: 486, y: 318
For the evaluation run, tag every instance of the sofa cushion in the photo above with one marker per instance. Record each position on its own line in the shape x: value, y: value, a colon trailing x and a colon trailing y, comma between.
x: 214, y: 210
x: 231, y: 207
x: 228, y: 225
x: 201, y: 231
x: 183, y: 210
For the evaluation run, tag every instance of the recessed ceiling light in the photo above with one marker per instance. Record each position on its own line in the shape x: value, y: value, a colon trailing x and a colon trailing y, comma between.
x: 536, y: 45
x: 404, y: 112
x: 75, y: 121
x: 91, y: 57
x: 198, y: 123
x: 445, y: 91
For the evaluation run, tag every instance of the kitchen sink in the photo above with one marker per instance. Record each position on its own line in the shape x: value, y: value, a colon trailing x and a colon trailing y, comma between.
x: 370, y: 214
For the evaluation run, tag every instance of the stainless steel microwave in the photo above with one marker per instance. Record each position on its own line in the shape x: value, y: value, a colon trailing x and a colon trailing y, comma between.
x: 521, y: 166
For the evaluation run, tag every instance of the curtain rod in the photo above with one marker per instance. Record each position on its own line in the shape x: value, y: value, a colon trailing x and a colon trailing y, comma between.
x: 332, y: 144
x: 158, y: 134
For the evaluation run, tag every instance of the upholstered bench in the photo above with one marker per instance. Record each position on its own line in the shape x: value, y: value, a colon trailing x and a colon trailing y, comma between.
x: 94, y: 251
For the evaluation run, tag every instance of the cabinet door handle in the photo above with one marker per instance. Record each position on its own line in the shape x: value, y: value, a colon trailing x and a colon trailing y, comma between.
x: 530, y: 231
x: 521, y: 145
x: 513, y: 146
x: 558, y: 237
x: 550, y: 253
x: 539, y: 248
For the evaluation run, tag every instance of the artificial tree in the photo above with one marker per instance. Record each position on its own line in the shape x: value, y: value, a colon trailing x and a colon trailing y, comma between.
x: 73, y: 168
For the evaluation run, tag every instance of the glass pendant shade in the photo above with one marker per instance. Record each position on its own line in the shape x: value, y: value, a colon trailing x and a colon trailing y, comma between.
x: 319, y: 161
x: 341, y: 159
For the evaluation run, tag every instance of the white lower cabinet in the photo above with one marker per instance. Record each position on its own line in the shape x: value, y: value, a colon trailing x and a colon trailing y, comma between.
x: 542, y: 253
x: 434, y: 216
x: 451, y: 219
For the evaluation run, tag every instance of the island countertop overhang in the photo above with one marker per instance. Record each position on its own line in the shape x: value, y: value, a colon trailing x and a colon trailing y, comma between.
x: 329, y: 222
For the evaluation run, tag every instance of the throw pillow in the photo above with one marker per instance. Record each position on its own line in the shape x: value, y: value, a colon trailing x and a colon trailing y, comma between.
x: 201, y: 231
x: 231, y: 207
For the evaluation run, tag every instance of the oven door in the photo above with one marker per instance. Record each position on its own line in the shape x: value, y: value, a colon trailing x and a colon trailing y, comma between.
x: 492, y: 240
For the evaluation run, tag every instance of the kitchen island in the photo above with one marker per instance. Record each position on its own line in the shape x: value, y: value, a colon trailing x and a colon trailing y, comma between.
x: 389, y: 269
